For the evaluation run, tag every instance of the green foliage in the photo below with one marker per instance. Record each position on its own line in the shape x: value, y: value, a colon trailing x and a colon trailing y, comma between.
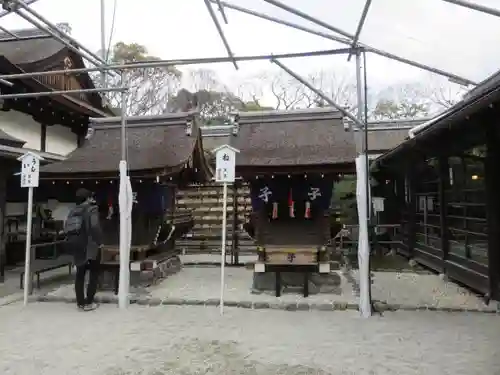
x: 149, y: 88
x: 386, y: 109
x: 344, y: 198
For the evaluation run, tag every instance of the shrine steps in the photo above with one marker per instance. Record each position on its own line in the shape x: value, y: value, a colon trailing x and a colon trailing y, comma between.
x: 205, y: 203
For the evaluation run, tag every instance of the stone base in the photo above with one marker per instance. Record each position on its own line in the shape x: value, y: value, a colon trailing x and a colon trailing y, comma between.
x: 293, y: 282
x: 145, y: 278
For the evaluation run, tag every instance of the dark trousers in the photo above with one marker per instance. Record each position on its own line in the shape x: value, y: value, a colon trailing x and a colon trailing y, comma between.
x: 92, y: 266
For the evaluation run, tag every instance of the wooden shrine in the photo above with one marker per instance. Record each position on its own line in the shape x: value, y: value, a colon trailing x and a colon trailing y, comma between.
x: 163, y: 152
x: 291, y: 160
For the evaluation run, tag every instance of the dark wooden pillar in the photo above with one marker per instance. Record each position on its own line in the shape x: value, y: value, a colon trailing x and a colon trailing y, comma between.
x: 444, y: 184
x: 400, y: 204
x: 43, y: 137
x: 412, y: 213
x: 3, y: 239
x: 80, y: 138
x: 235, y: 245
x: 492, y: 181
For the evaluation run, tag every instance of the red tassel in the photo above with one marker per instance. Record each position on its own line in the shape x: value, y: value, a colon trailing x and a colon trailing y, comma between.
x: 110, y: 208
x: 307, y: 213
x: 275, y: 210
x: 291, y: 204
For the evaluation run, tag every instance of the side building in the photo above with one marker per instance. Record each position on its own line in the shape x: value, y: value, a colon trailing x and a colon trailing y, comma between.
x: 51, y: 126
x: 442, y: 185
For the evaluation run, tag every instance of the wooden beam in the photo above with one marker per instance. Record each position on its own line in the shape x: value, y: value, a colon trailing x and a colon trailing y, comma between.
x: 444, y: 184
x: 3, y: 239
x: 235, y: 245
x: 43, y: 137
x: 412, y: 213
x: 492, y: 181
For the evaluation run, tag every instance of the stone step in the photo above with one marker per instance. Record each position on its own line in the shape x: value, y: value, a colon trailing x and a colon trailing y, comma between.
x: 208, y: 210
x: 215, y: 215
x: 214, y: 239
x: 211, y: 192
x: 211, y: 200
x: 212, y: 244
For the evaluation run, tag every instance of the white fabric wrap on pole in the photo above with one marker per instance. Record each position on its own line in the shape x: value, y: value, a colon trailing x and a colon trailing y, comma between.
x: 27, y: 260
x: 130, y: 205
x: 363, y: 241
x: 223, y: 247
x: 124, y: 283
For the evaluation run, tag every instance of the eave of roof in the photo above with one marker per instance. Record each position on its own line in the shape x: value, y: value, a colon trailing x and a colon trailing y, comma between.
x: 451, y: 118
x: 157, y: 145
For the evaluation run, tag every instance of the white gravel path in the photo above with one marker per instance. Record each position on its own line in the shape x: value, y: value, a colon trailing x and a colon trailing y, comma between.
x: 55, y: 339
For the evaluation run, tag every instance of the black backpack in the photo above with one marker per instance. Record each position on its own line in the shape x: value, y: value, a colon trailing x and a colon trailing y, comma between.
x: 76, y: 229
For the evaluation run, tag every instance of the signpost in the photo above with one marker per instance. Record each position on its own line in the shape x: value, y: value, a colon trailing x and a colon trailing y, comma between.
x: 30, y: 173
x: 225, y: 166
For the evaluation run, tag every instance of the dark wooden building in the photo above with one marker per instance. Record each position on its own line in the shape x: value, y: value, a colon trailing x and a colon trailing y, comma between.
x: 291, y: 160
x: 445, y: 184
x: 50, y: 126
x: 163, y: 153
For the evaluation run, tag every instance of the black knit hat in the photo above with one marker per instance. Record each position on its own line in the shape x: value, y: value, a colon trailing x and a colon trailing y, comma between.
x: 83, y: 194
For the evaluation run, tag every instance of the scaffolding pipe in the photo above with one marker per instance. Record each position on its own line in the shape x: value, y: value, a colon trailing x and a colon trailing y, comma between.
x: 322, y: 95
x: 309, y: 18
x: 103, y: 42
x: 60, y: 92
x: 54, y: 35
x: 166, y: 63
x: 479, y: 8
x: 451, y: 76
x: 3, y: 13
x: 70, y: 40
x: 23, y: 38
x: 222, y: 12
x: 3, y: 29
x: 361, y: 23
x: 221, y: 33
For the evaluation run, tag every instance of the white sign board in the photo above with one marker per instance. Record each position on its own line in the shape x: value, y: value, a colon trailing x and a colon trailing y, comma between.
x: 225, y: 164
x: 30, y: 170
x: 378, y: 204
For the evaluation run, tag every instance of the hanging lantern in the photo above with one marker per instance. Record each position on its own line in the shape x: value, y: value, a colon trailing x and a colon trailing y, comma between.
x: 307, y: 213
x: 291, y: 204
x: 275, y: 210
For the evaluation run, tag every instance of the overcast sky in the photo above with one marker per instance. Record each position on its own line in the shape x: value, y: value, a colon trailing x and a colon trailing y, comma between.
x: 430, y: 31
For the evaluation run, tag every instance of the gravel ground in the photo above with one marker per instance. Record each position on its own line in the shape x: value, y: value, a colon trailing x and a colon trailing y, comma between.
x: 204, y: 283
x: 423, y: 290
x: 56, y: 339
x: 406, y: 289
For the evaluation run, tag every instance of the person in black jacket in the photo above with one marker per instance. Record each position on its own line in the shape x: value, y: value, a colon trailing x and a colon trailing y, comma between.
x: 84, y: 236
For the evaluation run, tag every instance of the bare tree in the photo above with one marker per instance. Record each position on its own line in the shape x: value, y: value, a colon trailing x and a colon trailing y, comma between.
x: 341, y: 88
x: 288, y: 93
x: 443, y: 93
x: 202, y: 79
x: 402, y: 101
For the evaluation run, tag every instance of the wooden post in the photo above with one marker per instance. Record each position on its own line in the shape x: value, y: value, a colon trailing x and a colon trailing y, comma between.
x: 492, y: 181
x: 43, y: 137
x: 3, y: 240
x: 400, y: 198
x: 444, y: 184
x: 412, y: 213
x: 235, y: 245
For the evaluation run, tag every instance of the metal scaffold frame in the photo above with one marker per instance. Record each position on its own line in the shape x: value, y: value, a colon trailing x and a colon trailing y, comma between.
x: 359, y: 121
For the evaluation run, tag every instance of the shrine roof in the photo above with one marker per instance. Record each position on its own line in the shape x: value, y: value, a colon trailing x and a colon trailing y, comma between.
x: 158, y: 144
x: 8, y: 140
x: 33, y: 45
x: 293, y: 138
